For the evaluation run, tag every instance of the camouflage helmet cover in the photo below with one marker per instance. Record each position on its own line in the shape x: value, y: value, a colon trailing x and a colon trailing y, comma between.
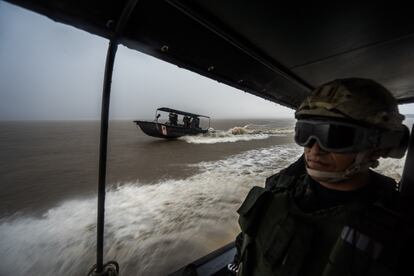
x: 356, y: 99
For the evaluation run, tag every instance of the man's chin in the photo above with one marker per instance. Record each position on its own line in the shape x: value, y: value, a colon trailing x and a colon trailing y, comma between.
x: 318, y: 166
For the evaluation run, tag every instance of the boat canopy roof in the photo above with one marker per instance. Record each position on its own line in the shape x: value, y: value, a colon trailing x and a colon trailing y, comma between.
x: 166, y: 109
x: 273, y: 49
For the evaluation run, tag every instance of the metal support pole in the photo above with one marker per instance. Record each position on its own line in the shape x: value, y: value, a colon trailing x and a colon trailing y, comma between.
x: 407, y: 180
x: 98, y: 269
x: 106, y: 94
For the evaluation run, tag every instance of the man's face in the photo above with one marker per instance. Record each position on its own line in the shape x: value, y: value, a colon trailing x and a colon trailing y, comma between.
x: 318, y: 159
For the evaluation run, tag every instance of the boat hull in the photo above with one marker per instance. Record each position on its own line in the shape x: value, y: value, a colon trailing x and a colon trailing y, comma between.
x: 167, y: 131
x: 214, y: 263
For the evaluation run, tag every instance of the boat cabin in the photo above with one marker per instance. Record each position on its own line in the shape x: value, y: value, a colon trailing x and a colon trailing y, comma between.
x: 175, y: 123
x: 181, y: 118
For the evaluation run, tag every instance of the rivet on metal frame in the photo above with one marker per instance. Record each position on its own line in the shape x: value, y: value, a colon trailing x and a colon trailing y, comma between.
x: 110, y: 23
x: 210, y: 68
x: 164, y: 49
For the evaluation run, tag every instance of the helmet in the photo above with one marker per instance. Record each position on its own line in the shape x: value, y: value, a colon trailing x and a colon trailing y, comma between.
x: 361, y: 105
x: 361, y: 101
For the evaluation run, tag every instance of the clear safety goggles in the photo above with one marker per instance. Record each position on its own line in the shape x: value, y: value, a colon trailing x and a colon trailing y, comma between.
x: 334, y: 136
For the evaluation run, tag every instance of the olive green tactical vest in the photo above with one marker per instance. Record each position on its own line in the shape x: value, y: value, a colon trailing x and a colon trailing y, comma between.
x: 281, y: 239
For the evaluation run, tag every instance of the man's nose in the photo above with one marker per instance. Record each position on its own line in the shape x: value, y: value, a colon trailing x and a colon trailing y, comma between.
x: 315, y: 148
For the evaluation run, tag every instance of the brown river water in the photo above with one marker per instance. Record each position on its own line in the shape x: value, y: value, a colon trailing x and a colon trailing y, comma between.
x: 168, y: 202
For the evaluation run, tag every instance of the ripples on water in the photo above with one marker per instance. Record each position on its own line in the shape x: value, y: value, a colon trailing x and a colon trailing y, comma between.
x: 150, y: 229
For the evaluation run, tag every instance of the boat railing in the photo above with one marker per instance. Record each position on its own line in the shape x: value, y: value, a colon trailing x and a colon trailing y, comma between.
x: 179, y: 120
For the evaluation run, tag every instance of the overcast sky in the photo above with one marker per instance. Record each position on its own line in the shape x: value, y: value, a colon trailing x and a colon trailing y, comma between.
x: 51, y: 71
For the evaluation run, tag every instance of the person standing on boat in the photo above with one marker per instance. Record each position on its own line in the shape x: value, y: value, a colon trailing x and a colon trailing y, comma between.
x: 195, y: 123
x: 173, y: 117
x: 186, y: 121
x: 328, y: 213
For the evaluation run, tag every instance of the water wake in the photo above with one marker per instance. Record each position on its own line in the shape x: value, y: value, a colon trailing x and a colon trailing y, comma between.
x: 150, y: 229
x: 236, y: 134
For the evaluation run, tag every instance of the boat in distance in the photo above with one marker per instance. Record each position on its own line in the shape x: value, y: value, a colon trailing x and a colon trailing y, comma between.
x: 179, y: 123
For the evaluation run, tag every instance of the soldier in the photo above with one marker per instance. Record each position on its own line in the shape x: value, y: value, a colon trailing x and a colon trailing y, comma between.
x: 186, y: 121
x: 328, y: 213
x: 173, y: 117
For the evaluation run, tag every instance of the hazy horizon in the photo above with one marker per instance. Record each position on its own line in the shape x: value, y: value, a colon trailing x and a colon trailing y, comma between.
x: 131, y: 119
x: 51, y: 71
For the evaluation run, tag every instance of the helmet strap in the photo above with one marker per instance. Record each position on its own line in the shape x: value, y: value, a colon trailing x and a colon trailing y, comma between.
x: 361, y: 163
x: 330, y: 177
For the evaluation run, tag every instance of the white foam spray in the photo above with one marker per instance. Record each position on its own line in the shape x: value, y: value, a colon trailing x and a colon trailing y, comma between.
x: 150, y: 229
x: 236, y: 134
x: 391, y: 167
